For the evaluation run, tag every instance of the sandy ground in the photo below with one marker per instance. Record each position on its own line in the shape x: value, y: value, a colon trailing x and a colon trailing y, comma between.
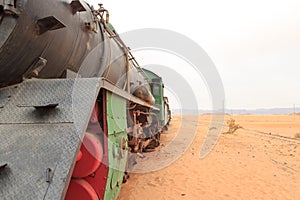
x: 260, y: 161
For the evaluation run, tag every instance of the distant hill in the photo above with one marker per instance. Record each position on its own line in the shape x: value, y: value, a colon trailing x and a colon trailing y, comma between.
x: 261, y: 111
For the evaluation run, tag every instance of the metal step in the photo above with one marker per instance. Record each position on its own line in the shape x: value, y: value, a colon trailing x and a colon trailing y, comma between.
x: 39, y: 144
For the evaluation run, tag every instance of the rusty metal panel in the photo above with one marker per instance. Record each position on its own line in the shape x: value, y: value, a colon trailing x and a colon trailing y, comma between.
x: 40, y: 151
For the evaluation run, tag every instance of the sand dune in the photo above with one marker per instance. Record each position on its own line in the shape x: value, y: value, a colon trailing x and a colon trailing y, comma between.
x: 260, y: 161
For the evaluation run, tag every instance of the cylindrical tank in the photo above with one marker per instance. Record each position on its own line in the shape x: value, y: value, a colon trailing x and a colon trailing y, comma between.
x: 51, y: 31
x: 45, y: 39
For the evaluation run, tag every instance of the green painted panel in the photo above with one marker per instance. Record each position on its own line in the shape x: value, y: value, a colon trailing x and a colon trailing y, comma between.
x: 117, y: 136
x: 151, y: 75
x: 156, y: 85
x: 116, y: 113
x: 157, y: 92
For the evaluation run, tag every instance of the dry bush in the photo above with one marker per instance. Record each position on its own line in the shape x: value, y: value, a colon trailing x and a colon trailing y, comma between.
x: 297, y: 135
x: 232, y: 126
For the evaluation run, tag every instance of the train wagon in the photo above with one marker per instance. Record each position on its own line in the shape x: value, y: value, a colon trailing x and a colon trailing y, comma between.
x: 161, y: 102
x: 73, y: 102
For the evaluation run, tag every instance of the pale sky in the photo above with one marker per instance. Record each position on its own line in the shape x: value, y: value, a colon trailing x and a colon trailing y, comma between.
x: 255, y: 44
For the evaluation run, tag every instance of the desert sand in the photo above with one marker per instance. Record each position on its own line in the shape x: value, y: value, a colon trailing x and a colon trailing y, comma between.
x: 259, y: 161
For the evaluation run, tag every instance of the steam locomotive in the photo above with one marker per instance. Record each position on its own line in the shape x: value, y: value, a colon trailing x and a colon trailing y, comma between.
x: 75, y: 106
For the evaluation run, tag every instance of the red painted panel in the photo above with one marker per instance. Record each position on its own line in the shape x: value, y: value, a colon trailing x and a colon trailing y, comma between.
x: 99, y: 179
x: 94, y: 171
x: 91, y: 158
x: 80, y: 189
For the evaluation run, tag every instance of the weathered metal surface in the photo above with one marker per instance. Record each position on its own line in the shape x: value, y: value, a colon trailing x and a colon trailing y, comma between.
x: 119, y: 92
x: 47, y: 38
x: 40, y: 147
x: 117, y: 149
x: 5, y: 95
x: 2, y: 166
x: 45, y: 29
x: 20, y: 107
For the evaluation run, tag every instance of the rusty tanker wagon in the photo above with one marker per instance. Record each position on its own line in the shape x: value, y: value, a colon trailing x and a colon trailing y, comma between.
x: 75, y: 106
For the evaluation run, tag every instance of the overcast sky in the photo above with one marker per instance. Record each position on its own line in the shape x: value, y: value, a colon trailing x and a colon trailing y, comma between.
x: 255, y: 44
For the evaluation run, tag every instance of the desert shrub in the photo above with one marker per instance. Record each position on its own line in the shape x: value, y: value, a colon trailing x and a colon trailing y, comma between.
x: 297, y: 135
x: 232, y: 126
